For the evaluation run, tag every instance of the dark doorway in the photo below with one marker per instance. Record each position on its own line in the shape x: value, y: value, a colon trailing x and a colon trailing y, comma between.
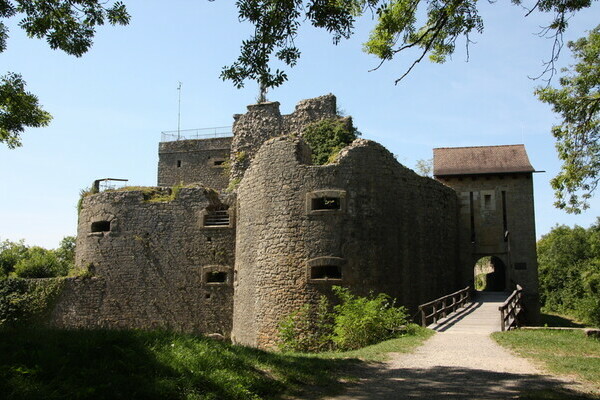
x: 490, y: 274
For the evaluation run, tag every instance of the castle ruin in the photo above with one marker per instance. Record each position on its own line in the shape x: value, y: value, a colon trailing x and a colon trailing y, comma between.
x: 201, y: 258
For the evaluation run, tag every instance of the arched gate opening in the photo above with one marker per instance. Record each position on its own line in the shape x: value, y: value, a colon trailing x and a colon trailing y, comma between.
x: 490, y: 274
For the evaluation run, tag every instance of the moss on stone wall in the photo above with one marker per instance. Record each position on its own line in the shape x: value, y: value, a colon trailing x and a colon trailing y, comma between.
x: 327, y: 137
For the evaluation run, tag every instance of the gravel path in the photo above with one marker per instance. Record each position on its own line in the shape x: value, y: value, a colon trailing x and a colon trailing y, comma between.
x: 461, y: 361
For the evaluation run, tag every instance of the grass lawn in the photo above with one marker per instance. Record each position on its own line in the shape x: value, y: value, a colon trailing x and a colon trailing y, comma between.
x: 380, y: 351
x: 103, y: 364
x: 561, y: 351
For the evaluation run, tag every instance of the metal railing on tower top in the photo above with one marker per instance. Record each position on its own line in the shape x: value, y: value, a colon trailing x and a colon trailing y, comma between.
x: 190, y: 134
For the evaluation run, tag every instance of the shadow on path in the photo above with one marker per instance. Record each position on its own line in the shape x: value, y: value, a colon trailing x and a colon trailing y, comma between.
x: 454, y: 318
x: 454, y: 383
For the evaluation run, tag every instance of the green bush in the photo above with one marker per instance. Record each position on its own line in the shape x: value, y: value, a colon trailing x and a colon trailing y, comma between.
x: 40, y: 263
x: 309, y: 329
x: 361, y: 321
x: 22, y: 300
x: 327, y: 137
x: 354, y: 323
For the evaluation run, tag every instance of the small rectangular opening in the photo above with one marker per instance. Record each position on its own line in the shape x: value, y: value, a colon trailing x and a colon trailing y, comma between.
x: 487, y: 201
x: 218, y: 163
x: 216, y: 277
x: 326, y: 203
x: 520, y: 265
x: 178, y: 163
x: 101, y: 226
x: 326, y: 272
x: 217, y: 218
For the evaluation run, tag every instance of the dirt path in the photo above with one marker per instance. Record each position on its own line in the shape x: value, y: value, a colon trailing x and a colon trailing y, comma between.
x: 460, y: 362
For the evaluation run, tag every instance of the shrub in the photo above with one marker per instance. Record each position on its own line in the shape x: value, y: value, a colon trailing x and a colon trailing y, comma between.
x: 41, y: 263
x: 354, y: 323
x: 22, y: 300
x: 361, y: 321
x: 327, y: 137
x: 308, y: 330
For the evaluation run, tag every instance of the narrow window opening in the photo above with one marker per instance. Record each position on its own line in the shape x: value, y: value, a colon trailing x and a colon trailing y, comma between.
x: 216, y: 218
x: 504, y: 216
x: 207, y: 296
x: 216, y: 277
x: 472, y: 209
x: 208, y: 239
x: 326, y: 272
x: 326, y: 203
x: 521, y: 265
x: 101, y: 226
x: 218, y: 163
x: 178, y: 163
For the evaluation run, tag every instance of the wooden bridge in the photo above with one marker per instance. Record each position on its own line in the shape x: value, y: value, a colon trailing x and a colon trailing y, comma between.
x: 482, y: 312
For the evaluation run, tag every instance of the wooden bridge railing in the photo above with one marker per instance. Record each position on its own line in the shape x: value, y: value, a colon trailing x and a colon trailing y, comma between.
x: 510, y: 310
x: 440, y: 308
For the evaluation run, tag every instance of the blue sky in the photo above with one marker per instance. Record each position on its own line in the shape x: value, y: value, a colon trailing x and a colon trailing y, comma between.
x: 110, y: 105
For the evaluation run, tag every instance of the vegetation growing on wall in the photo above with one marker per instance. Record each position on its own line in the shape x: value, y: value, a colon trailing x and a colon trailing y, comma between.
x: 151, y: 194
x: 23, y: 301
x: 327, y: 137
x: 569, y: 271
x: 354, y: 323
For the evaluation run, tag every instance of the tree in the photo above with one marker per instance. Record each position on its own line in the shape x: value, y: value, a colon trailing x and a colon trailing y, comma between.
x: 569, y: 271
x: 431, y: 26
x: 66, y: 251
x: 10, y: 254
x: 18, y: 259
x: 578, y: 104
x: 68, y: 25
x: 425, y: 167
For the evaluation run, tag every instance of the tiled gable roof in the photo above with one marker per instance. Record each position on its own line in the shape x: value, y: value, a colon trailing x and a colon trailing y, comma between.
x: 480, y: 160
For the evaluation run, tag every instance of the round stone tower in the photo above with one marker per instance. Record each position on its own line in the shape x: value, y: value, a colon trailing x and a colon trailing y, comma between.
x: 364, y: 222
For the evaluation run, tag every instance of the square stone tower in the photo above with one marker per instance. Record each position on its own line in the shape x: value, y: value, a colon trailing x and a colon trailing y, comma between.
x: 496, y: 214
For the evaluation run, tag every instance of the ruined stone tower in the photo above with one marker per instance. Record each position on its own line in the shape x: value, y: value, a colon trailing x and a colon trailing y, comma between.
x: 192, y: 255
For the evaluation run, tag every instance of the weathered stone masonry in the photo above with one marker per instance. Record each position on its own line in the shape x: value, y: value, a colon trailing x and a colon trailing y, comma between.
x: 150, y: 262
x: 186, y: 161
x: 210, y: 261
x: 393, y: 232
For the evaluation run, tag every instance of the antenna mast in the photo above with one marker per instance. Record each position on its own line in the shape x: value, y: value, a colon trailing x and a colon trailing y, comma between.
x: 179, y: 113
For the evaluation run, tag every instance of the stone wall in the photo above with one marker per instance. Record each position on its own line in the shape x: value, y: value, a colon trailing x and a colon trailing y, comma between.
x: 365, y: 222
x: 154, y: 264
x: 264, y: 121
x: 518, y: 253
x: 194, y: 161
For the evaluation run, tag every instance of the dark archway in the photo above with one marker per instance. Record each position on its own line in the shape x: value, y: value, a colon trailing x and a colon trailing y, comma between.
x: 490, y: 274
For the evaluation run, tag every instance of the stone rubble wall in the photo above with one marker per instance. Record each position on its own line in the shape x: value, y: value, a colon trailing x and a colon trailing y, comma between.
x: 264, y: 121
x: 396, y: 233
x: 148, y: 271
